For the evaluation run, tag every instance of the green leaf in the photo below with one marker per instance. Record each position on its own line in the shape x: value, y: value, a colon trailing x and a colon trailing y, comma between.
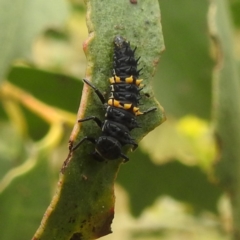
x: 183, y: 79
x: 186, y: 184
x: 226, y: 105
x: 26, y: 184
x: 188, y: 139
x: 235, y: 8
x: 24, y: 199
x: 83, y: 207
x: 55, y: 89
x: 11, y: 148
x: 20, y: 22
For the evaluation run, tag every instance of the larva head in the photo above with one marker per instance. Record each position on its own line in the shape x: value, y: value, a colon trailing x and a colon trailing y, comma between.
x: 119, y: 41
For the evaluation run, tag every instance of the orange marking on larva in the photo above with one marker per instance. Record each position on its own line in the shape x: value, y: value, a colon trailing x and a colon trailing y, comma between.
x: 127, y: 106
x: 111, y: 80
x: 117, y: 79
x: 138, y: 81
x: 113, y: 102
x: 138, y: 113
x: 129, y: 79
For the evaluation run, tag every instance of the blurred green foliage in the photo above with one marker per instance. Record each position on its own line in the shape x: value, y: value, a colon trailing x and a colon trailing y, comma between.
x: 32, y: 150
x: 183, y: 79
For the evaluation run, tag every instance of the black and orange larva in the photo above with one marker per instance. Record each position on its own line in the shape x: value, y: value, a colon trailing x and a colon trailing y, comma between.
x: 121, y: 108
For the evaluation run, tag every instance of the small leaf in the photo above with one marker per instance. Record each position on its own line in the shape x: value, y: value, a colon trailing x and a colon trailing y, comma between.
x: 55, y: 89
x: 20, y: 22
x: 235, y: 8
x: 184, y: 183
x: 11, y: 148
x: 226, y: 106
x: 183, y: 79
x: 189, y: 139
x: 23, y: 200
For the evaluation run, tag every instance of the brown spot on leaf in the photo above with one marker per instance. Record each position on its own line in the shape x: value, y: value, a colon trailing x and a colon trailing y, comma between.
x: 133, y: 1
x: 85, y: 44
x: 84, y: 177
x: 71, y: 220
x: 106, y: 226
x: 76, y: 236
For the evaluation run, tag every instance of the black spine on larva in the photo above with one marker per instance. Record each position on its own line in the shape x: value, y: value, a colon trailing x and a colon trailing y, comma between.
x: 120, y: 120
x: 125, y: 66
x: 122, y: 106
x: 124, y: 62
